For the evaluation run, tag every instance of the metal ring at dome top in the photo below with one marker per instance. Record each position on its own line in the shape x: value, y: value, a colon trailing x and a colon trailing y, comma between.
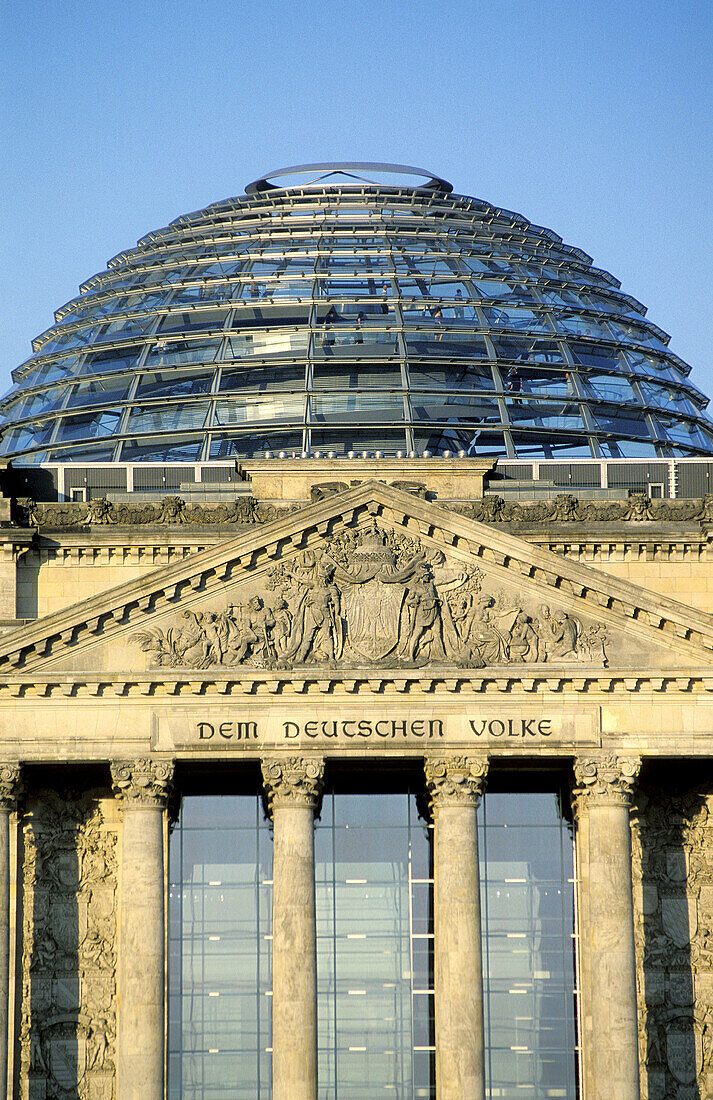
x: 348, y: 168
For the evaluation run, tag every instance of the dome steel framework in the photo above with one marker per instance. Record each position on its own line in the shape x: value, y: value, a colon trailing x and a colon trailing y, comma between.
x: 341, y: 313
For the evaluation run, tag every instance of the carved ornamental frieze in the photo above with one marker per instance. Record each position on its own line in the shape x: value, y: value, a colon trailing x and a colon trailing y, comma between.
x: 292, y: 779
x: 567, y: 508
x: 672, y: 852
x: 143, y: 782
x: 68, y: 959
x: 169, y: 511
x: 455, y: 780
x: 377, y: 597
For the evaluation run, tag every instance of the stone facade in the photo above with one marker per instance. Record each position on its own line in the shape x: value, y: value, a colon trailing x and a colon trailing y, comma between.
x: 340, y: 623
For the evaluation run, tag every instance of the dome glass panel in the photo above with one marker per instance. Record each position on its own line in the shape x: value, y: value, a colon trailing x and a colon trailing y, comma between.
x: 352, y: 308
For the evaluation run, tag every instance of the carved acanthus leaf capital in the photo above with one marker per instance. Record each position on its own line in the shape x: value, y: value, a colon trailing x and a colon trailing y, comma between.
x: 605, y: 778
x: 10, y: 786
x: 456, y: 779
x: 292, y: 779
x: 143, y: 781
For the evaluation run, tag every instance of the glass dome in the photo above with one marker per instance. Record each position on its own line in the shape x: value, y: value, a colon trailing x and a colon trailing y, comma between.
x: 351, y: 307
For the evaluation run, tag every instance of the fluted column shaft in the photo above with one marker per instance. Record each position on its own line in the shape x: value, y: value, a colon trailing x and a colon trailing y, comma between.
x: 610, y: 1054
x: 455, y: 786
x: 293, y: 787
x: 144, y: 788
x: 9, y: 790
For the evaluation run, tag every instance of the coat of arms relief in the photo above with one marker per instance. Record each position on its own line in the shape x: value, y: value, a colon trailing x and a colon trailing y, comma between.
x: 377, y: 597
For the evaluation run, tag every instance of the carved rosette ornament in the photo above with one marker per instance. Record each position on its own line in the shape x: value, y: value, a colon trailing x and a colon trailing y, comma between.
x: 292, y: 779
x: 10, y: 786
x: 143, y: 782
x: 605, y: 778
x: 455, y: 780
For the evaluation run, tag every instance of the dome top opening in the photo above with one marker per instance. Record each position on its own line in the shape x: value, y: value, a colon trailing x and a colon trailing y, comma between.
x: 348, y: 174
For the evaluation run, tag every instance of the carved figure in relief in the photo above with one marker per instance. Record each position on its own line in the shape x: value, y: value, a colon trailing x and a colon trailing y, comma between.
x: 638, y: 506
x: 249, y: 629
x: 563, y: 638
x: 424, y: 631
x: 172, y: 510
x: 481, y: 630
x: 192, y: 644
x: 524, y: 642
x: 316, y: 624
x: 38, y: 1060
x: 100, y: 511
x: 283, y: 627
x: 99, y: 1044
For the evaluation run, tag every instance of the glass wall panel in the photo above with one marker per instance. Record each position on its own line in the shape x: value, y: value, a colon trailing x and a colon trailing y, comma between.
x: 259, y: 377
x: 375, y: 988
x: 340, y: 375
x: 254, y: 444
x: 527, y: 899
x: 174, y: 384
x: 364, y: 407
x: 470, y: 376
x: 374, y: 891
x: 89, y: 426
x: 220, y: 902
x: 100, y: 391
x: 284, y: 406
x: 167, y: 353
x: 174, y: 449
x: 159, y: 418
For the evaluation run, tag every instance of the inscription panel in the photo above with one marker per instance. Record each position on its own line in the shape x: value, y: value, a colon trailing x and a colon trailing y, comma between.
x: 243, y: 729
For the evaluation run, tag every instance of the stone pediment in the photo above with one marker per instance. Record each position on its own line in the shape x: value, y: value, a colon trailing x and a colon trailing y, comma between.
x: 372, y: 579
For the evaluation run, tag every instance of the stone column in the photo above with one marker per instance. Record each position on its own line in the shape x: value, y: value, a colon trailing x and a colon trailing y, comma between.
x: 144, y: 788
x: 609, y: 1039
x: 455, y: 786
x: 293, y: 787
x: 9, y: 791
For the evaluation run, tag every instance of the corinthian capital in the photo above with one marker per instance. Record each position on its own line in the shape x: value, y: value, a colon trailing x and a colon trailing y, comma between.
x: 455, y: 779
x: 10, y: 786
x: 605, y: 778
x: 143, y: 781
x: 292, y: 779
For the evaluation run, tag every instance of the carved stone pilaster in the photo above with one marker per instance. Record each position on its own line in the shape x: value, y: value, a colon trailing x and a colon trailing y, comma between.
x: 605, y: 778
x: 10, y: 786
x: 456, y: 780
x: 292, y: 779
x: 143, y: 781
x: 67, y: 1018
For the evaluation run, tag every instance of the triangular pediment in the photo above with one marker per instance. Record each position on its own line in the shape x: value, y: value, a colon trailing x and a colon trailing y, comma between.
x: 372, y: 580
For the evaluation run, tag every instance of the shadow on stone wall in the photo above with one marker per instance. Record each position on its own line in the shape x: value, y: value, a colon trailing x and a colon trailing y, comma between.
x: 673, y: 905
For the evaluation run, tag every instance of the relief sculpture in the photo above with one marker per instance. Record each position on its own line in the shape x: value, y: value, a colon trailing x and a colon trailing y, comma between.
x: 68, y: 1027
x: 673, y: 859
x: 376, y: 597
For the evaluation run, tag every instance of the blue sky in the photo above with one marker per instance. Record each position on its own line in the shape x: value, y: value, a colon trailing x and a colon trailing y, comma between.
x: 594, y: 119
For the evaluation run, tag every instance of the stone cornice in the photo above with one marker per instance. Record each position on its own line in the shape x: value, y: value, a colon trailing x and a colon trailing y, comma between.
x: 506, y: 557
x: 526, y: 681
